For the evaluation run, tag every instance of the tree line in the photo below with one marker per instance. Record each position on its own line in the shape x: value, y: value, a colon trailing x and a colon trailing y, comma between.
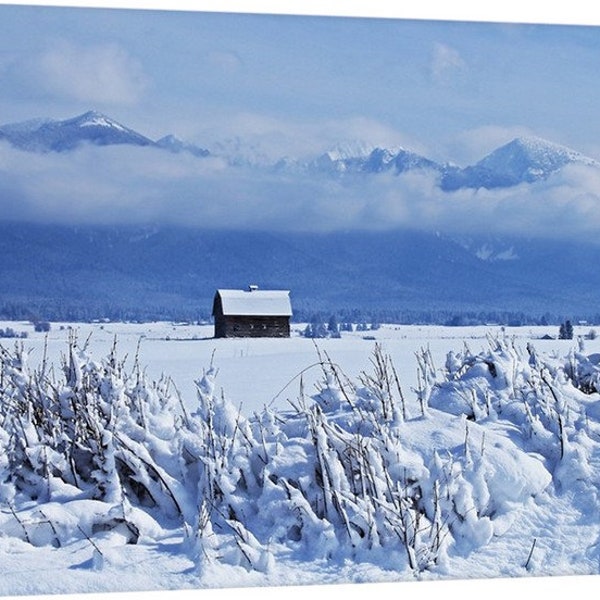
x: 54, y: 311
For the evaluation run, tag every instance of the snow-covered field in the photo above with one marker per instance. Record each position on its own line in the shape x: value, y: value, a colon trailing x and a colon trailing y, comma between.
x: 508, y: 491
x: 255, y: 372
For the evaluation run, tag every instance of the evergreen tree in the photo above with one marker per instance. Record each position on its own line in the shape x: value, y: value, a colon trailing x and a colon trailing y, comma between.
x: 333, y: 327
x: 565, y: 331
x: 332, y: 324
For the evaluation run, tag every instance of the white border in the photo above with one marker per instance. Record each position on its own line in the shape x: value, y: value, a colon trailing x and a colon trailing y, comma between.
x: 575, y: 12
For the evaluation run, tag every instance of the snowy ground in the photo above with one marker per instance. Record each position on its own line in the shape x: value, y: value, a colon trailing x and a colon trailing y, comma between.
x: 255, y: 372
x: 258, y: 373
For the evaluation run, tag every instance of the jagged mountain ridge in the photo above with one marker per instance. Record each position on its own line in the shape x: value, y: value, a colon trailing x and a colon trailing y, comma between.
x: 378, y: 160
x: 523, y: 160
x: 176, y: 145
x: 49, y: 135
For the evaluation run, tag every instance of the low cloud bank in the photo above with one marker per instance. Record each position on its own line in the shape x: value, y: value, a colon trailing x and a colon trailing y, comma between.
x: 101, y: 185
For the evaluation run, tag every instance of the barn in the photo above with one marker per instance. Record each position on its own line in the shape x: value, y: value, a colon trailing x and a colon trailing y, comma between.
x: 252, y: 313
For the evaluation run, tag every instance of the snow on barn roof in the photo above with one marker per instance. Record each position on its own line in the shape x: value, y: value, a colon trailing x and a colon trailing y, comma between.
x: 255, y: 302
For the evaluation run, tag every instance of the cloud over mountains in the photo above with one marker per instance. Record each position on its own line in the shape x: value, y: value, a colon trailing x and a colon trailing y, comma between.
x: 95, y: 170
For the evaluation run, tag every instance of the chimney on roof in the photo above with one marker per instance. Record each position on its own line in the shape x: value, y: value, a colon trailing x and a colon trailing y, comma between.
x: 252, y: 287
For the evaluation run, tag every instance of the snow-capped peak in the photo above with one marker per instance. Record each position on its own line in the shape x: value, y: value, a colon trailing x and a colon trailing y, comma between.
x: 96, y: 119
x: 522, y: 160
x: 537, y: 146
x: 92, y: 127
x: 534, y: 153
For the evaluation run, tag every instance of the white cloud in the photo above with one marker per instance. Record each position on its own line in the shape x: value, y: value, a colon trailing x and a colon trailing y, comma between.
x: 142, y: 185
x: 563, y: 206
x: 446, y: 62
x: 273, y: 137
x: 227, y: 61
x: 98, y: 74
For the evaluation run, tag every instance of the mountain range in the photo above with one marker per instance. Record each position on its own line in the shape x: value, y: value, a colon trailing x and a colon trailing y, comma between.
x: 523, y: 160
x: 61, y: 272
x: 158, y: 272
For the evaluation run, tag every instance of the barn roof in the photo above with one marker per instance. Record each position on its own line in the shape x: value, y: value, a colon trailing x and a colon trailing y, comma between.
x: 255, y: 303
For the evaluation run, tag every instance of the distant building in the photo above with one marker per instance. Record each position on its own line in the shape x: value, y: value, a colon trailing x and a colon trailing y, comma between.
x: 252, y: 313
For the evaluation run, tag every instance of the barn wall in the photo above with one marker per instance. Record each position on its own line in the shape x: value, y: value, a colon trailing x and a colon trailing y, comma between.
x: 251, y: 326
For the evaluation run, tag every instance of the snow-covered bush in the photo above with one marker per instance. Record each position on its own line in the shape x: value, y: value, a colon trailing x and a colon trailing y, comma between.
x: 96, y: 431
x: 359, y: 471
x: 545, y: 399
x: 584, y: 371
x: 355, y: 473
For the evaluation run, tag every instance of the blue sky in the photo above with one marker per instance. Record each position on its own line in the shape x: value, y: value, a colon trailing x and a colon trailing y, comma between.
x: 453, y: 90
x: 295, y: 86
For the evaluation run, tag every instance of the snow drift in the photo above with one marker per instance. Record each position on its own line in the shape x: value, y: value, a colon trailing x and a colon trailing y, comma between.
x: 359, y: 473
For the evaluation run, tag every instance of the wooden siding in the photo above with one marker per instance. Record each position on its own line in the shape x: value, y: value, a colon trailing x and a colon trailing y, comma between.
x: 248, y: 326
